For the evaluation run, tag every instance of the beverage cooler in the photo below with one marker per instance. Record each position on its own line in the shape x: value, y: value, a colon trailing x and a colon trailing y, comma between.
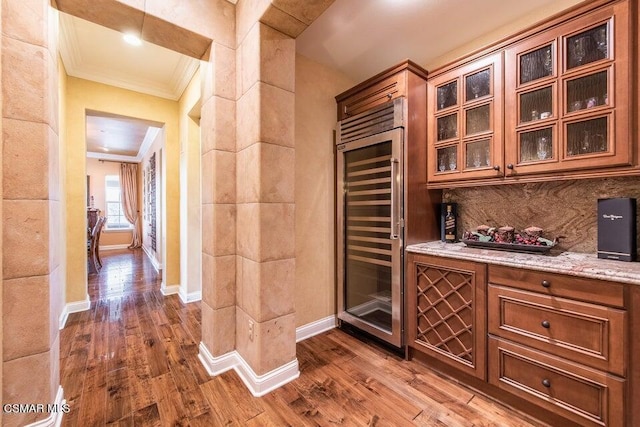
x: 370, y: 222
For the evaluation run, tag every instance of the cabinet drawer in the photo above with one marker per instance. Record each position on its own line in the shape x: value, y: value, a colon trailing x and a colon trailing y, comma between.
x: 596, y: 291
x: 386, y: 90
x: 586, y: 333
x: 583, y: 395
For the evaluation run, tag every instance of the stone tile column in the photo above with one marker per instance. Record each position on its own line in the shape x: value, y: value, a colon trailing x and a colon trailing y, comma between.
x: 31, y: 207
x: 265, y: 166
x: 218, y: 128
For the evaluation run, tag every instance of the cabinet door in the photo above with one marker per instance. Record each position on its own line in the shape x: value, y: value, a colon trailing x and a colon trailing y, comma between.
x: 377, y: 94
x: 465, y: 122
x: 567, y: 102
x: 446, y: 309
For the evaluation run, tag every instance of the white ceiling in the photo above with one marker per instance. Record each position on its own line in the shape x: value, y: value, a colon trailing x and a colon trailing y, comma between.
x: 363, y: 37
x: 93, y: 52
x: 359, y: 38
x: 97, y: 53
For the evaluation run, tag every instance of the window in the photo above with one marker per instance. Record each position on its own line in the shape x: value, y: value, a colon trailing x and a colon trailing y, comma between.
x: 115, y: 214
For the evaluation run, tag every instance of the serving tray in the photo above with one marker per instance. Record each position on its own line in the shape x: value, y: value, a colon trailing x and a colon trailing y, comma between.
x: 513, y: 247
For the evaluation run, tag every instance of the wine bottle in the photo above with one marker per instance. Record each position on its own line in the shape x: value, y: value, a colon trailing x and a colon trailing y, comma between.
x: 449, y: 226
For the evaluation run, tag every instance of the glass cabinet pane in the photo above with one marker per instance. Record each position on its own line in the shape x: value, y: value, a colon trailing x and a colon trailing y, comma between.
x: 536, y: 105
x: 536, y: 65
x: 448, y: 158
x: 478, y: 85
x: 448, y: 127
x: 588, y: 46
x: 587, y: 92
x: 478, y: 154
x: 477, y: 119
x: 586, y: 137
x: 447, y: 95
x: 536, y: 145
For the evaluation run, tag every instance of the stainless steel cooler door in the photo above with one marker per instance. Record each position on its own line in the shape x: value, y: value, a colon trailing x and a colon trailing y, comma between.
x: 370, y: 233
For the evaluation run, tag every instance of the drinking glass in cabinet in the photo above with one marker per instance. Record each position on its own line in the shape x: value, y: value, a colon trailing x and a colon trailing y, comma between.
x: 587, y: 46
x: 447, y: 158
x: 478, y: 85
x: 447, y: 95
x: 587, y: 137
x: 536, y: 105
x: 477, y: 154
x: 587, y: 92
x: 536, y: 145
x: 447, y: 127
x: 477, y: 120
x: 543, y: 145
x: 536, y: 64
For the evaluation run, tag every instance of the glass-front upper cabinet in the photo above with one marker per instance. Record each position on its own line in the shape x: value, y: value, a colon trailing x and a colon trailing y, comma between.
x: 567, y: 95
x: 465, y: 121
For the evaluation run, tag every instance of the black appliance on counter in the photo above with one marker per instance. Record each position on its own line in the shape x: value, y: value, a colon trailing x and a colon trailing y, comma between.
x: 617, y: 229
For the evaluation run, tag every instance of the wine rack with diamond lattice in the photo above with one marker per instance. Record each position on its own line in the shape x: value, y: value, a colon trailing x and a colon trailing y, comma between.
x: 446, y: 311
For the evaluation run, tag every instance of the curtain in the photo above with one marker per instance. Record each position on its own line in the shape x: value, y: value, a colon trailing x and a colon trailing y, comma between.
x: 129, y: 188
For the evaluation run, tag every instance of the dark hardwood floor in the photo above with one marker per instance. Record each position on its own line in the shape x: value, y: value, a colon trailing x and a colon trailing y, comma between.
x: 131, y: 360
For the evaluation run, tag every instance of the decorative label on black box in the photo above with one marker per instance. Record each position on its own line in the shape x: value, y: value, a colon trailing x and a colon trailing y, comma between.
x: 617, y: 229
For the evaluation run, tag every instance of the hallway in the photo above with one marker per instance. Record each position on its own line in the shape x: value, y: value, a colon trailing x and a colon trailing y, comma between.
x: 131, y: 360
x: 125, y: 359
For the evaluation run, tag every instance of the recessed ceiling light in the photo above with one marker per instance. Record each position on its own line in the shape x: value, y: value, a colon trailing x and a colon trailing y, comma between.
x: 132, y: 39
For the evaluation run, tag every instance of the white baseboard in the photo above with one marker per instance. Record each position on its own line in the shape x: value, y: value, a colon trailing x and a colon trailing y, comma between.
x: 170, y: 290
x: 186, y: 298
x: 157, y: 265
x: 73, y: 307
x: 314, y: 328
x: 114, y: 247
x: 55, y: 416
x: 217, y: 365
x: 258, y: 385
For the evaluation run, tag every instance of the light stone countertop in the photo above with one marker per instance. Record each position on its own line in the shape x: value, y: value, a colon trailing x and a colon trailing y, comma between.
x: 571, y: 263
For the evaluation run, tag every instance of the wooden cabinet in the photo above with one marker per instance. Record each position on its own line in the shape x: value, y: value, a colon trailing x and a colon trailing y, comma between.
x: 387, y: 89
x: 558, y: 104
x: 384, y: 87
x: 446, y: 306
x: 567, y: 95
x: 568, y: 353
x: 465, y: 121
x: 553, y: 345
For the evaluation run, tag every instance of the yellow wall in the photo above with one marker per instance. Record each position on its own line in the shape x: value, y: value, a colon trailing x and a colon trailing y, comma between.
x: 190, y: 209
x: 62, y: 147
x: 315, y: 119
x: 80, y: 96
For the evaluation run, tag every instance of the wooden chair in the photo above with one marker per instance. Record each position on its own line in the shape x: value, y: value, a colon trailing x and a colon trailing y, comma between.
x: 95, y: 263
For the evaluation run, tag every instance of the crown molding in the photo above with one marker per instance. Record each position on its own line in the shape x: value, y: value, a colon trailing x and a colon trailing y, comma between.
x: 77, y: 66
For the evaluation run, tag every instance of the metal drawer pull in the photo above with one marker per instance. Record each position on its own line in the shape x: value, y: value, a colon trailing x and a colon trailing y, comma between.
x: 546, y: 383
x: 546, y: 324
x: 546, y: 283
